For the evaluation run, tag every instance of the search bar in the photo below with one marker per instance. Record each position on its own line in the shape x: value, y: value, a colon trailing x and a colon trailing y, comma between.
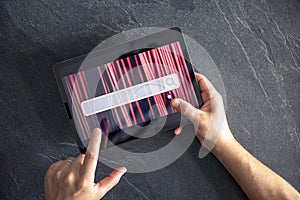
x: 130, y: 94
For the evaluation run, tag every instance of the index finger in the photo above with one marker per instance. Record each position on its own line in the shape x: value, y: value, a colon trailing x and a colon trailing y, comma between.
x: 91, y: 155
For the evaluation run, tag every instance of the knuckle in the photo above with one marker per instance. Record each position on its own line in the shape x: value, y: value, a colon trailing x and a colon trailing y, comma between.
x: 184, y: 108
x: 49, y: 173
x: 114, y: 180
x: 81, y: 184
x: 57, y: 175
x: 68, y: 180
x: 79, y: 159
x: 89, y: 155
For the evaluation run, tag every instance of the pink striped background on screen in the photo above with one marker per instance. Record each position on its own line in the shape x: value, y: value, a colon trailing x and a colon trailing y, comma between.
x: 119, y: 74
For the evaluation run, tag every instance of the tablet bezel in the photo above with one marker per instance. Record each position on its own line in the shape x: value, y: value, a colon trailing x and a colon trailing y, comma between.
x: 109, y: 54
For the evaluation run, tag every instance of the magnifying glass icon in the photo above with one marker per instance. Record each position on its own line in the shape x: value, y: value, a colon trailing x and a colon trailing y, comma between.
x: 170, y: 81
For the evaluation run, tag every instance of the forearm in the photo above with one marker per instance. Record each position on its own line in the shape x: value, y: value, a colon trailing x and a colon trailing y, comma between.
x: 257, y: 180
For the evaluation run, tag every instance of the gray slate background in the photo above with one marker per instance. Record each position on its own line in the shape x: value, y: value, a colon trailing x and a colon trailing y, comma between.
x: 255, y: 44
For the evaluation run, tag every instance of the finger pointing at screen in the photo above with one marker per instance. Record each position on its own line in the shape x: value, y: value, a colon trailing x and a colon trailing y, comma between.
x: 74, y: 177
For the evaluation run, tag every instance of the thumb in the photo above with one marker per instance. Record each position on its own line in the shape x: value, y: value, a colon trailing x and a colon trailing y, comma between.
x: 186, y: 109
x: 110, y: 181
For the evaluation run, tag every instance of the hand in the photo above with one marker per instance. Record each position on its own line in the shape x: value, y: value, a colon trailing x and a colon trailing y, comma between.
x: 209, y: 121
x: 74, y: 178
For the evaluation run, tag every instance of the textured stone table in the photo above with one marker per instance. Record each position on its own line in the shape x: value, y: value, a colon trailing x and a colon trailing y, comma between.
x: 256, y: 46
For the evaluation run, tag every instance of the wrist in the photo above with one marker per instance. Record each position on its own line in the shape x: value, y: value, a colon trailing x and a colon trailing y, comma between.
x: 225, y: 141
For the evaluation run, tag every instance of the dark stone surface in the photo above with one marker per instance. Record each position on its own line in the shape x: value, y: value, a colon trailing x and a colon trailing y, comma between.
x: 255, y: 44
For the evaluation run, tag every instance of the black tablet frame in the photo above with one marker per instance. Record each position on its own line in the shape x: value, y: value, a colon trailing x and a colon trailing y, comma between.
x: 109, y: 54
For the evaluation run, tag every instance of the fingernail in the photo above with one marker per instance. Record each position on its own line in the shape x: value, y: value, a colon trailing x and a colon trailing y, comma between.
x: 175, y: 103
x: 97, y: 130
x: 123, y: 170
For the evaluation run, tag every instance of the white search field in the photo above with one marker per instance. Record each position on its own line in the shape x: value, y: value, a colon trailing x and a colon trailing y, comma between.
x: 130, y: 94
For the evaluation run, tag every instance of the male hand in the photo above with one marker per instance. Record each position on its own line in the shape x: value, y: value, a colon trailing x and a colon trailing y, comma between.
x: 74, y: 177
x: 209, y: 121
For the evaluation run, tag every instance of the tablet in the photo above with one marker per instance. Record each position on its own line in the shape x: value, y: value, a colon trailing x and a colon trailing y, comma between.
x: 126, y: 89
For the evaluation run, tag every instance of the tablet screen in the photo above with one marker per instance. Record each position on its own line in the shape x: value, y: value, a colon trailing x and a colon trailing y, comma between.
x: 131, y: 90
